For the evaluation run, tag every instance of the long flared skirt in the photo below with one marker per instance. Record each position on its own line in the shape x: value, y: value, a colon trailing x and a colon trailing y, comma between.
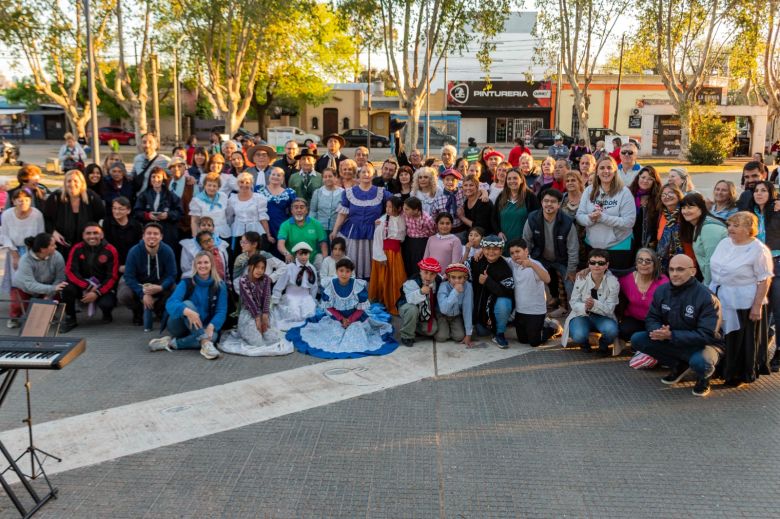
x: 746, y: 349
x: 386, y: 281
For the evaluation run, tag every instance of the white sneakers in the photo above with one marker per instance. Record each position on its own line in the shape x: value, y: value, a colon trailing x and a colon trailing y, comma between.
x: 159, y: 344
x: 208, y: 350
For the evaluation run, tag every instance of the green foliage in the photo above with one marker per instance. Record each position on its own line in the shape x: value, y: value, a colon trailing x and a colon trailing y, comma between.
x: 712, y: 138
x: 24, y: 92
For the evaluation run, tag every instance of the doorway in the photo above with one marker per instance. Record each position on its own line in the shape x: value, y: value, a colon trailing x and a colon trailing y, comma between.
x: 330, y: 121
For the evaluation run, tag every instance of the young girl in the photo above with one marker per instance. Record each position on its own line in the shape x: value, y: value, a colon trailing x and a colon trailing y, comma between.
x: 295, y: 292
x: 419, y: 227
x: 338, y: 250
x: 250, y: 245
x: 473, y: 247
x: 387, y: 265
x: 444, y: 246
x: 254, y: 336
x: 347, y: 329
x: 325, y: 200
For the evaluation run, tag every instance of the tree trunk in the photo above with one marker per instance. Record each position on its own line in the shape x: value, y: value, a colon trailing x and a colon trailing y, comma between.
x: 260, y: 110
x: 581, y: 105
x: 684, y: 112
x: 232, y: 123
x: 413, y: 109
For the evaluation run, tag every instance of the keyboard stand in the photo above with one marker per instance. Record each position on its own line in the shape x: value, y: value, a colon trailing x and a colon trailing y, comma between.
x: 38, y: 501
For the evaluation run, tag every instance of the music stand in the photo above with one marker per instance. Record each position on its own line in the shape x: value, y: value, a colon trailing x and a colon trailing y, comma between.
x: 38, y: 321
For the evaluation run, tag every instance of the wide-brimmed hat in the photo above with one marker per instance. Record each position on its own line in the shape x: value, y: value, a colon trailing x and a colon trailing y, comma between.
x: 307, y: 152
x: 336, y: 136
x: 261, y: 147
x: 175, y: 161
x: 396, y: 125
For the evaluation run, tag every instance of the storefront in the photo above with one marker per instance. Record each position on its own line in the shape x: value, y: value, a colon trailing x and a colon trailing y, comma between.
x: 509, y: 109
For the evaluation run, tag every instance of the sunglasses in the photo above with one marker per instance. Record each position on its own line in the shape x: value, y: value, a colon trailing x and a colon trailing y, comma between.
x: 627, y: 152
x: 643, y: 261
x: 597, y: 263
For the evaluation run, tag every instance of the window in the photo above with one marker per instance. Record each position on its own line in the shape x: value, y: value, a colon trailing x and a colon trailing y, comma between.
x: 315, y: 123
x: 345, y: 123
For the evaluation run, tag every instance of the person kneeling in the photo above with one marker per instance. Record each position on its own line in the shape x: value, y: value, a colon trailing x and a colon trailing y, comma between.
x: 418, y: 302
x: 456, y: 305
x: 196, y: 310
x: 683, y: 326
x: 593, y: 303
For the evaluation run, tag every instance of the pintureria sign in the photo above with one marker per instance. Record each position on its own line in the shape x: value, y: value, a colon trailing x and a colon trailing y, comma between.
x: 502, y: 94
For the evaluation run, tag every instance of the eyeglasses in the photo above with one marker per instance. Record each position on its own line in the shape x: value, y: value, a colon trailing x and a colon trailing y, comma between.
x: 644, y: 261
x: 593, y: 263
x: 668, y: 195
x: 626, y: 152
x: 678, y: 269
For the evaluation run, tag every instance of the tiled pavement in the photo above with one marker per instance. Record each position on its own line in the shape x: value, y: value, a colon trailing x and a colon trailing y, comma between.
x: 552, y: 433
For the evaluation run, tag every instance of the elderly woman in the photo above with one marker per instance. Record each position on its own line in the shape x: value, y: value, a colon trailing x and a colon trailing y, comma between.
x: 741, y: 269
x: 587, y: 167
x: 246, y: 211
x: 646, y: 188
x: 593, y: 301
x: 117, y: 184
x: 210, y: 202
x: 700, y: 228
x: 448, y: 156
x: 680, y: 178
x: 724, y: 199
x: 513, y: 206
x: 425, y: 187
x: 608, y: 212
x: 71, y: 154
x: 361, y: 206
x: 69, y: 209
x: 529, y: 171
x: 637, y: 289
x: 347, y: 171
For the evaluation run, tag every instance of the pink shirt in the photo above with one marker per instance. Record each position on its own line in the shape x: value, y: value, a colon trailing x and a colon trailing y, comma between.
x: 638, y: 304
x: 445, y: 249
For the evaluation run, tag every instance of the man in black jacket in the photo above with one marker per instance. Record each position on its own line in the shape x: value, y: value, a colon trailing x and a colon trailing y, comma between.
x: 683, y: 327
x: 752, y: 173
x: 494, y: 291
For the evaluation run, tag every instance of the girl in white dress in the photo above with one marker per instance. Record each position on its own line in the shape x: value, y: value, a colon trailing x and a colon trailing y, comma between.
x: 294, y: 294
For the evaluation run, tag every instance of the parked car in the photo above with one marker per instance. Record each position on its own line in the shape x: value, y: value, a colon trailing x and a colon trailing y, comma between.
x: 357, y: 137
x: 298, y: 135
x: 121, y: 135
x: 546, y: 137
x: 436, y: 138
x: 204, y: 134
x: 606, y: 135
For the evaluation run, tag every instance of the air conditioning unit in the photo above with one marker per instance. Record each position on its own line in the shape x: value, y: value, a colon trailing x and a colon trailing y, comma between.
x: 635, y: 111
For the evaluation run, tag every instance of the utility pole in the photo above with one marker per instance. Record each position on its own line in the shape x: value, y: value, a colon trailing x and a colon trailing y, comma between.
x: 92, y: 88
x: 368, y: 107
x: 620, y: 78
x: 155, y: 97
x: 558, y: 95
x: 176, y: 93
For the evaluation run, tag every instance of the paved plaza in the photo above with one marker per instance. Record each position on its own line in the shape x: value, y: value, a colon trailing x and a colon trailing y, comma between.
x: 433, y: 431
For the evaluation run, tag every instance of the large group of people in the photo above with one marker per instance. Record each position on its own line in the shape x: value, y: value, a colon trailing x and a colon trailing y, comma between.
x: 232, y: 248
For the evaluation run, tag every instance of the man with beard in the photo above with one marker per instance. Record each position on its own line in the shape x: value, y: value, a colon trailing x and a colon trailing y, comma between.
x: 300, y: 228
x: 752, y: 173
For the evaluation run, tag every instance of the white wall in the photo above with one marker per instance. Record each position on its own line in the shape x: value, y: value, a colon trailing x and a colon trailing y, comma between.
x: 476, y: 127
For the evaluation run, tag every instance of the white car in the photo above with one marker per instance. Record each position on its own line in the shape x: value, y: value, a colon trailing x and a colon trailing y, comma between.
x: 298, y: 135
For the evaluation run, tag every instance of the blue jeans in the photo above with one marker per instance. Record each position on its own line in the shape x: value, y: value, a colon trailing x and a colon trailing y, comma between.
x: 774, y: 296
x: 501, y: 310
x: 701, y: 360
x: 580, y: 328
x: 561, y: 271
x: 187, y: 338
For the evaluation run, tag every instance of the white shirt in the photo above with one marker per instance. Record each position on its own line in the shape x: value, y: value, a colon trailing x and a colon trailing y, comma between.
x: 13, y: 231
x: 530, y: 294
x: 245, y: 215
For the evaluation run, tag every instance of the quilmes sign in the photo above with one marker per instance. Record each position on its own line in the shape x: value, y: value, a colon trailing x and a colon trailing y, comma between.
x: 501, y: 94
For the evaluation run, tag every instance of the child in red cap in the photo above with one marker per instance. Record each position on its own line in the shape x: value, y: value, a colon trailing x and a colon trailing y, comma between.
x: 417, y: 304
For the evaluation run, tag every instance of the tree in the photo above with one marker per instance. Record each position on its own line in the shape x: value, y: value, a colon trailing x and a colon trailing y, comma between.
x: 771, y: 61
x: 51, y: 39
x: 581, y: 29
x: 24, y: 92
x: 687, y: 49
x: 129, y: 91
x: 417, y: 34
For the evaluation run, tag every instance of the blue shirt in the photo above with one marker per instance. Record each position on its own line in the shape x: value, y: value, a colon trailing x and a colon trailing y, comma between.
x: 452, y: 303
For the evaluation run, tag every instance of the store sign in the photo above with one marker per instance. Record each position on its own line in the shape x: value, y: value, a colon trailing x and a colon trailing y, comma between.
x: 501, y: 94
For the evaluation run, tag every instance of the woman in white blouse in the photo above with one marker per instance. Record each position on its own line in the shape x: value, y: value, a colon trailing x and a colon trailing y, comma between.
x: 213, y: 203
x: 425, y: 186
x: 246, y: 210
x: 741, y: 270
x: 23, y: 221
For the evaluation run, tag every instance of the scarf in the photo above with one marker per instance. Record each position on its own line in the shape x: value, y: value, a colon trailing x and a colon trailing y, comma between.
x: 452, y: 202
x: 638, y: 197
x: 202, y: 196
x: 426, y: 308
x: 670, y: 245
x: 305, y: 269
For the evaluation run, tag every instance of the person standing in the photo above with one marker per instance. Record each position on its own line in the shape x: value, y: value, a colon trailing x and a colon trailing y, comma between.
x: 558, y: 150
x: 519, y: 149
x: 145, y: 162
x: 628, y: 167
x: 333, y: 157
x: 307, y: 180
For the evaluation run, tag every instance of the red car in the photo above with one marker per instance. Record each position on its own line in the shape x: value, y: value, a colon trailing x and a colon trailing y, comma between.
x: 123, y: 136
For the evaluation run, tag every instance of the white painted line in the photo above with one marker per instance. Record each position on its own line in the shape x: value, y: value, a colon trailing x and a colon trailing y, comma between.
x: 105, y: 435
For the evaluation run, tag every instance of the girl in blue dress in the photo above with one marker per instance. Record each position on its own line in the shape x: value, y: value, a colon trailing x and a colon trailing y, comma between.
x: 347, y: 326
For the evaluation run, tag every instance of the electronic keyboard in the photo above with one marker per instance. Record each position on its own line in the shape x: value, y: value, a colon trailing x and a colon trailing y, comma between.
x: 39, y: 352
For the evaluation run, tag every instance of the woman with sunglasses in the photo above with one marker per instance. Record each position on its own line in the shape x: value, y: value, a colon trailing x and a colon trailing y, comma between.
x: 593, y: 301
x: 637, y: 289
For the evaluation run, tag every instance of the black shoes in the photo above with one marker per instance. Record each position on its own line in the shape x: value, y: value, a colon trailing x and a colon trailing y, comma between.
x: 774, y: 366
x: 407, y: 342
x: 702, y: 387
x: 676, y: 375
x: 108, y: 318
x: 68, y: 324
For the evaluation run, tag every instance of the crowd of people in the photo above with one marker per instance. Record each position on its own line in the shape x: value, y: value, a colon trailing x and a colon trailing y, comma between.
x: 230, y: 247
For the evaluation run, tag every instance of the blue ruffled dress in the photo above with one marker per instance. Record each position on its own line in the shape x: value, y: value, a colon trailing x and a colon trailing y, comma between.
x: 323, y: 336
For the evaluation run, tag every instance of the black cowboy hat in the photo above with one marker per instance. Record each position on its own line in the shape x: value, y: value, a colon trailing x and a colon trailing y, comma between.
x: 396, y: 125
x: 306, y: 152
x: 336, y: 136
